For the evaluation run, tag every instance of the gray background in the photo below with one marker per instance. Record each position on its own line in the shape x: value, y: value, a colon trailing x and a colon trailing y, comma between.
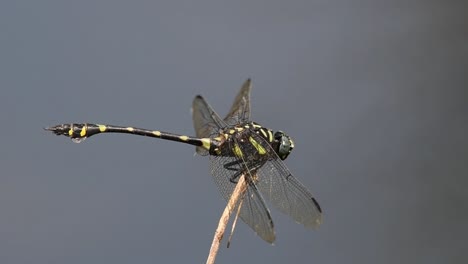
x: 373, y: 92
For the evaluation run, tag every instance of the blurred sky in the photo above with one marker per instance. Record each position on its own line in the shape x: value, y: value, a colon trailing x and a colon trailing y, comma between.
x: 373, y: 92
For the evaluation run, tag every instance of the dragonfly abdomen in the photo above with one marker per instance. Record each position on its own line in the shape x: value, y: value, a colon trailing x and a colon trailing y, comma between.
x: 79, y: 131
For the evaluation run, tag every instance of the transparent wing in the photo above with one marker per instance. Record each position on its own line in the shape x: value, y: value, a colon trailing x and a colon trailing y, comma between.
x: 240, y: 109
x: 205, y: 121
x: 253, y: 209
x: 284, y: 191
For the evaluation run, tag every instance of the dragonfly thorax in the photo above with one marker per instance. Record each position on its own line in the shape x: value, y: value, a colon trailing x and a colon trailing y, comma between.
x: 281, y: 143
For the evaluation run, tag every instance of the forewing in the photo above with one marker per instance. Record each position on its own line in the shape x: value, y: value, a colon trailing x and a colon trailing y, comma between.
x: 253, y: 209
x: 205, y: 121
x: 240, y: 109
x: 284, y: 191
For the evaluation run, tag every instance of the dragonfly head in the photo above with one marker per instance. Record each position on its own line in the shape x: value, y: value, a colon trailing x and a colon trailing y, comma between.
x: 283, y: 144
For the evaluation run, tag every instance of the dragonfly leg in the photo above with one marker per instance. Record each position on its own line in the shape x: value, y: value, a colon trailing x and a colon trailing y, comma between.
x: 233, y: 166
x: 251, y: 167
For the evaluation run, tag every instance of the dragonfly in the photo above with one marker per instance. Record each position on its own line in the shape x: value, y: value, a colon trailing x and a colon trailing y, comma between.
x: 236, y: 146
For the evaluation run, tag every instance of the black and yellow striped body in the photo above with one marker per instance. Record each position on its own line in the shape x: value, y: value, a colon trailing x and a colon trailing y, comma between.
x: 232, y: 138
x: 225, y: 144
x: 80, y: 131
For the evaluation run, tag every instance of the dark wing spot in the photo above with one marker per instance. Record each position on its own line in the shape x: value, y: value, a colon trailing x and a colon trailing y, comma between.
x: 316, y: 204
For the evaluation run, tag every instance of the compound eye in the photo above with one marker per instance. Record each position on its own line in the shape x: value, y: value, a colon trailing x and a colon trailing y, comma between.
x: 278, y: 135
x: 285, y: 145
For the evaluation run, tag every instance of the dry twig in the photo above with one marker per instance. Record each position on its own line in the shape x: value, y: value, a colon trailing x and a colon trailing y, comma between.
x: 218, y: 236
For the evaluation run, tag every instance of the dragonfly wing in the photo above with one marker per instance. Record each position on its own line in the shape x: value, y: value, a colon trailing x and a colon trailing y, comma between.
x: 240, y: 109
x: 205, y: 121
x: 253, y: 209
x: 284, y: 191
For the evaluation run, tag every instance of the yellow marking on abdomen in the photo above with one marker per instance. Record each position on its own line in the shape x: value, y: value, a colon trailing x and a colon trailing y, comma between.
x: 261, y: 150
x: 102, y: 128
x: 206, y: 143
x: 70, y: 132
x: 83, y: 131
x: 232, y: 131
x: 183, y: 138
x: 130, y: 129
x: 157, y: 133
